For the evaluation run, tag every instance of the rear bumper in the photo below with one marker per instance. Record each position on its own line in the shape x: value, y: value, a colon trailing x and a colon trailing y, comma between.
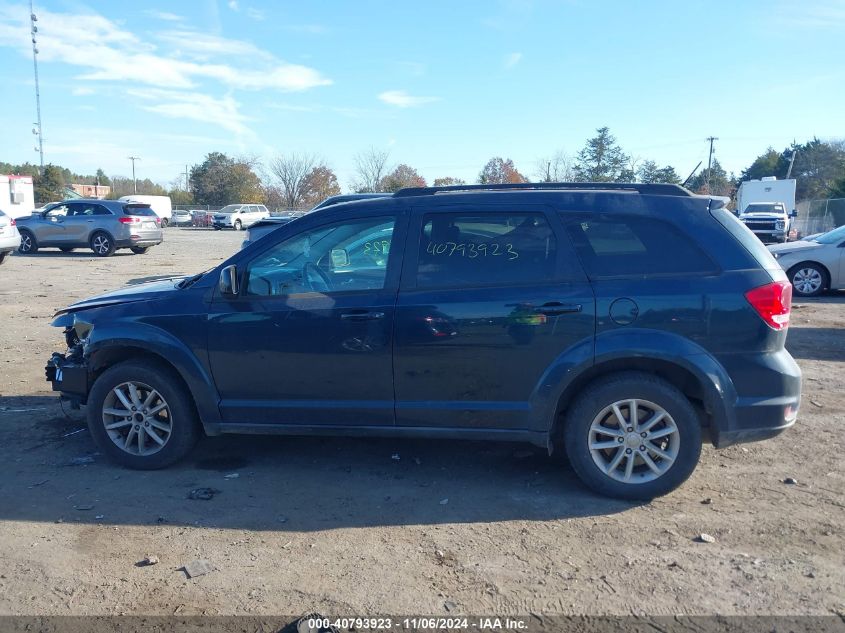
x: 755, y: 416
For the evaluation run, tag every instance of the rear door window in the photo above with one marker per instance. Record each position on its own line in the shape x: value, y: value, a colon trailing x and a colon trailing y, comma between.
x: 485, y: 249
x: 620, y: 246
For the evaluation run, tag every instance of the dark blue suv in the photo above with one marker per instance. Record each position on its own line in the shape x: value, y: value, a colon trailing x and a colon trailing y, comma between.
x: 625, y: 324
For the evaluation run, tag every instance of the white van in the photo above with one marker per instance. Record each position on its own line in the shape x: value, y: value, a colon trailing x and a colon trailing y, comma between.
x: 161, y: 205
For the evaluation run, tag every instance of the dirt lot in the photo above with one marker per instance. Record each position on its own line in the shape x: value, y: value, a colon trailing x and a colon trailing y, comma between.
x: 343, y: 526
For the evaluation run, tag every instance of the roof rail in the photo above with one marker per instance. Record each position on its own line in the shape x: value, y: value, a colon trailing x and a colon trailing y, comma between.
x: 644, y: 189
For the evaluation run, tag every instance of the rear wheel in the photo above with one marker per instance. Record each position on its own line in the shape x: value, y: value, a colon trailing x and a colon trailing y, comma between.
x: 3, y: 257
x: 632, y: 436
x: 140, y: 250
x: 165, y: 223
x: 808, y: 279
x: 102, y: 244
x: 141, y: 416
x: 29, y: 244
x: 238, y: 225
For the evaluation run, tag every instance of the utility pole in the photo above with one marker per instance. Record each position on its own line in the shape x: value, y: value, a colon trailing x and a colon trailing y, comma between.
x: 134, y: 182
x: 791, y: 162
x: 710, y: 160
x: 187, y: 182
x: 38, y: 131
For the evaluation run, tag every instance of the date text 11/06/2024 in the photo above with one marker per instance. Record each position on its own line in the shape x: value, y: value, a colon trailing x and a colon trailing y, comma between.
x: 435, y: 623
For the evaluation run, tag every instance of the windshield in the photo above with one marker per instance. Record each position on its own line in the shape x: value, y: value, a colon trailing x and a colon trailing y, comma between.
x: 231, y: 208
x: 764, y: 207
x: 831, y: 237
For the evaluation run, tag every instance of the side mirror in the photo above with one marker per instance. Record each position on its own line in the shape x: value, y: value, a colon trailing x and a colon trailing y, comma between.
x: 228, y: 284
x: 793, y: 214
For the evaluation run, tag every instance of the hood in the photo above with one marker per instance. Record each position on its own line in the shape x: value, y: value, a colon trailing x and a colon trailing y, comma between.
x: 791, y: 247
x: 136, y: 292
x: 763, y: 214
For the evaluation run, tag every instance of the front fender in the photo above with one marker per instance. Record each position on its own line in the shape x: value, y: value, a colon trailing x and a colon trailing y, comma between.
x: 111, y: 337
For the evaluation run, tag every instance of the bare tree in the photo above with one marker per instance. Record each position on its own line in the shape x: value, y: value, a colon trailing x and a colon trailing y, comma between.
x: 556, y: 168
x: 370, y: 168
x: 291, y: 171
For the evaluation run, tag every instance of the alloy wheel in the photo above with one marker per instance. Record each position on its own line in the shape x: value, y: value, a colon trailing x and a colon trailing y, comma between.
x: 26, y: 243
x: 807, y: 280
x: 634, y: 441
x: 137, y: 418
x: 101, y: 244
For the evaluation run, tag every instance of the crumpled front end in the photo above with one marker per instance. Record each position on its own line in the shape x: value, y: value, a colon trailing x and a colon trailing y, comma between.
x: 69, y: 373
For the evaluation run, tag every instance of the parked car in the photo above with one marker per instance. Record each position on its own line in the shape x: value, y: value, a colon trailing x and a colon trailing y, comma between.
x: 181, y: 217
x: 620, y: 323
x: 10, y: 239
x: 161, y: 205
x: 104, y: 226
x: 814, y: 265
x: 200, y: 217
x: 239, y: 216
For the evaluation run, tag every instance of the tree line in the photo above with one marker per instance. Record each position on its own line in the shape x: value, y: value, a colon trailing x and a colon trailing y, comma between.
x: 301, y: 180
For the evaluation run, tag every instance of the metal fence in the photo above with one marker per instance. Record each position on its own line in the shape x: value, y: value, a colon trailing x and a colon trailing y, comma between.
x: 818, y: 216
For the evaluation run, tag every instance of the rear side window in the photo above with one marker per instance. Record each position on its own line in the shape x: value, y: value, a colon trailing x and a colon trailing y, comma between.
x: 138, y: 209
x: 620, y: 246
x: 746, y: 237
x: 481, y: 249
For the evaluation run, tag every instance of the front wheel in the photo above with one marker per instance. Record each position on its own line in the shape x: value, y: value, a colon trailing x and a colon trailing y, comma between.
x: 238, y: 225
x: 102, y: 244
x: 3, y: 257
x: 141, y: 416
x: 632, y: 436
x: 808, y: 279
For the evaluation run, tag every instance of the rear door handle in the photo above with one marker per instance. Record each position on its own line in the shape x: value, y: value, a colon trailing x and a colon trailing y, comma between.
x: 553, y: 308
x: 362, y: 315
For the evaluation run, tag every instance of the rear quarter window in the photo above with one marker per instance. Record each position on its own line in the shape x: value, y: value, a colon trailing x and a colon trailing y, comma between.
x: 746, y: 237
x: 625, y: 246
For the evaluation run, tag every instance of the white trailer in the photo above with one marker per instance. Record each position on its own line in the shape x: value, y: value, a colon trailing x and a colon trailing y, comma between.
x: 17, y: 198
x: 767, y: 206
x: 161, y: 205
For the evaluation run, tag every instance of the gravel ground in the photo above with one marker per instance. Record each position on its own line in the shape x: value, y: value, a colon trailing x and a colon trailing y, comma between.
x: 341, y: 526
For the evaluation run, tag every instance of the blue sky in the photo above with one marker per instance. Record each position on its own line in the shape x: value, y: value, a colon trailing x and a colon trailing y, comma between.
x: 443, y: 85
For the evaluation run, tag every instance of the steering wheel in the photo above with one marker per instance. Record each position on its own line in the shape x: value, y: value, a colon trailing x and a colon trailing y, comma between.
x: 322, y: 277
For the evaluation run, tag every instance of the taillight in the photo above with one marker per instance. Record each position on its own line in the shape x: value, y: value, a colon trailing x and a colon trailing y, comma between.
x: 128, y: 220
x: 12, y: 222
x: 773, y: 303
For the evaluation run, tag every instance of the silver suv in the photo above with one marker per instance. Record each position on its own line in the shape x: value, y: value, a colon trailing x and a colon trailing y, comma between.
x: 101, y: 225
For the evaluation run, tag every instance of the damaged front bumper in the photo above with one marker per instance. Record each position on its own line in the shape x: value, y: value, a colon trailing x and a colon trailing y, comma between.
x: 68, y: 376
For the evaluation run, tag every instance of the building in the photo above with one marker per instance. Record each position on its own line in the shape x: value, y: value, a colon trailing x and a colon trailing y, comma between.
x: 17, y: 198
x: 92, y: 191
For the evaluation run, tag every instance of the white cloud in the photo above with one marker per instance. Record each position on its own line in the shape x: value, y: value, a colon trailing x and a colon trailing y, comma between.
x: 164, y: 15
x: 402, y: 99
x: 255, y: 14
x: 233, y: 5
x: 223, y: 113
x: 512, y: 60
x: 107, y: 52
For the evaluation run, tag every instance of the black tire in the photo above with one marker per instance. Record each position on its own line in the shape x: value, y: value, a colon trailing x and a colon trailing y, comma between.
x: 102, y: 244
x: 3, y: 257
x: 216, y: 228
x: 29, y: 245
x: 139, y: 250
x: 66, y: 249
x: 165, y: 223
x: 184, y: 424
x: 803, y: 286
x: 624, y: 386
x: 238, y: 225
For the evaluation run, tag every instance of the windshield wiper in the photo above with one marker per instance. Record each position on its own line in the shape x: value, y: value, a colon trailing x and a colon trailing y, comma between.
x: 189, y: 281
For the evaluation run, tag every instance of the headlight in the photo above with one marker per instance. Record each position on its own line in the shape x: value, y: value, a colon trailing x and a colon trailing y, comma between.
x: 780, y: 225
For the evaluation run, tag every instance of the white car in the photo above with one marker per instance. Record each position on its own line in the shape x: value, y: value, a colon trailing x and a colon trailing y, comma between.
x: 814, y: 265
x: 239, y: 216
x: 10, y: 239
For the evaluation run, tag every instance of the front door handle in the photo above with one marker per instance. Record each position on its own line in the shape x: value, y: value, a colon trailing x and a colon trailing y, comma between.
x: 362, y: 315
x: 553, y: 308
